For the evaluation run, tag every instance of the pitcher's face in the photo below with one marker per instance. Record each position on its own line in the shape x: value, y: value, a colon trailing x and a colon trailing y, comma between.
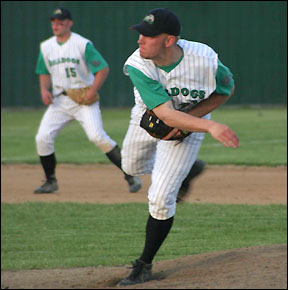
x: 151, y: 47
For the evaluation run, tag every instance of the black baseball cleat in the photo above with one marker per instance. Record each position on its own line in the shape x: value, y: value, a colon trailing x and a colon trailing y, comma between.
x: 196, y: 170
x: 49, y: 186
x: 141, y: 272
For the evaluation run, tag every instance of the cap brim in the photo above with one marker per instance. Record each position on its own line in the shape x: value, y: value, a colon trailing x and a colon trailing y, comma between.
x: 56, y: 17
x: 144, y: 29
x: 59, y: 17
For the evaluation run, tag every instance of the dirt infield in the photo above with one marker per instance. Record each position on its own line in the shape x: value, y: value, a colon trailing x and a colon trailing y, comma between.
x: 248, y: 268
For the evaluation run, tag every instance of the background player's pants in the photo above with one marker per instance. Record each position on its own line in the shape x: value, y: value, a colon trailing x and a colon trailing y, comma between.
x: 60, y: 114
x: 169, y: 164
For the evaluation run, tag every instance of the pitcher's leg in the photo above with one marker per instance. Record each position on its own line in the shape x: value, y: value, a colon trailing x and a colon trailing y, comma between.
x: 172, y: 165
x: 138, y: 151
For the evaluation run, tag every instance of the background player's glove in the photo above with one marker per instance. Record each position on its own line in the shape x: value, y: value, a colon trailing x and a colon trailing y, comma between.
x: 79, y: 96
x: 158, y: 129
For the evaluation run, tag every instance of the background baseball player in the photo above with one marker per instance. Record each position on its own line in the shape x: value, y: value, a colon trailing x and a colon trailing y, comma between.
x: 169, y: 75
x: 70, y: 61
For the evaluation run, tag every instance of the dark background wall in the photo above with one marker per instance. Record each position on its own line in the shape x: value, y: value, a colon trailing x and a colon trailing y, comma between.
x: 249, y: 36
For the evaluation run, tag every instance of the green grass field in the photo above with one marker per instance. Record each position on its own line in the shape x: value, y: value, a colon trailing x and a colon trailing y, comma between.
x: 60, y: 235
x: 262, y: 133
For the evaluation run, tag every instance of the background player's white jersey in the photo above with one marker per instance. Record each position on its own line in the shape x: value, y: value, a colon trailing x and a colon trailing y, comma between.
x: 191, y: 81
x: 66, y: 63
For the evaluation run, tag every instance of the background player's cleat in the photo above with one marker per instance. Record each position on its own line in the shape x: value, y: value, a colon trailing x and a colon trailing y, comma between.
x: 49, y: 186
x: 134, y: 182
x: 196, y: 170
x: 141, y: 272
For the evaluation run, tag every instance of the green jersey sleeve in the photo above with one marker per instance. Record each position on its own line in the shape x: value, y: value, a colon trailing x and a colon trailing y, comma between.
x: 94, y: 59
x: 151, y: 91
x: 224, y: 80
x: 41, y: 68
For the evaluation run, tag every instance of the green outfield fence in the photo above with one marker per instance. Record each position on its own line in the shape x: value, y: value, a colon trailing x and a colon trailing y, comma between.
x: 249, y: 36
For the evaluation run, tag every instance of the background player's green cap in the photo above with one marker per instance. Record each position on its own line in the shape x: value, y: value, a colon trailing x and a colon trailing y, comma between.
x: 159, y: 20
x: 61, y: 14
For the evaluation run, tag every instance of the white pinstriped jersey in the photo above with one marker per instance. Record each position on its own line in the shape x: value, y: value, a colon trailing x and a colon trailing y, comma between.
x: 191, y: 81
x: 66, y: 63
x: 187, y: 83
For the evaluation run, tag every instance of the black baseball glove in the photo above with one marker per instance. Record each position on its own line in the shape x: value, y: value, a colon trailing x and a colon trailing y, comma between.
x: 158, y: 129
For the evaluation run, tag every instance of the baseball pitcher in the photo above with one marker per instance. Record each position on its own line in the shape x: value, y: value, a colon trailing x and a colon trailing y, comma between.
x: 177, y: 83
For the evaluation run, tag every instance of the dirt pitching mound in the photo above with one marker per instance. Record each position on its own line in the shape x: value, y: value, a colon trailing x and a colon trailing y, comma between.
x: 263, y: 267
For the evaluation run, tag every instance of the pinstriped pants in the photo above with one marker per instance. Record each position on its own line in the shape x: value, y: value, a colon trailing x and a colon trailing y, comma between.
x: 60, y: 114
x: 168, y: 162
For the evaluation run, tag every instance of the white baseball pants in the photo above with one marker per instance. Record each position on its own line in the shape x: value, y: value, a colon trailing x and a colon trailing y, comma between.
x: 169, y: 164
x: 60, y: 114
